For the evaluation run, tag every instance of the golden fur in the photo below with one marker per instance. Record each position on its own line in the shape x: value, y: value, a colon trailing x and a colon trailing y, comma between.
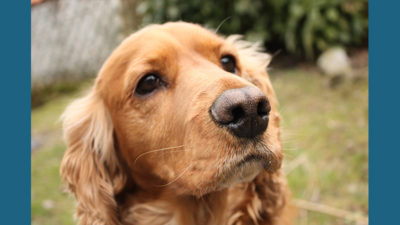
x: 160, y: 159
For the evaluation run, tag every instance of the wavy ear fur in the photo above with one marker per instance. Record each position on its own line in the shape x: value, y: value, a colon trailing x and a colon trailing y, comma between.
x: 90, y: 165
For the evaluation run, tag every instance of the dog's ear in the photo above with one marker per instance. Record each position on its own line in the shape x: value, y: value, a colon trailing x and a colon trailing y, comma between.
x: 90, y: 166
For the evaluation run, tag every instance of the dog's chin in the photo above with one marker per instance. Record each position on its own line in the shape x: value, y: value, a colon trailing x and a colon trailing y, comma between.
x: 247, y: 168
x: 239, y: 168
x: 243, y: 172
x: 248, y: 172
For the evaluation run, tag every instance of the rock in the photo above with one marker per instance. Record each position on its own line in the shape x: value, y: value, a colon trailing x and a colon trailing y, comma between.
x: 48, y: 204
x: 335, y: 63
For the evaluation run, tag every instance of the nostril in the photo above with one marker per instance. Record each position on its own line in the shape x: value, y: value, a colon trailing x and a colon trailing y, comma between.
x: 243, y: 111
x: 263, y: 108
x: 237, y: 113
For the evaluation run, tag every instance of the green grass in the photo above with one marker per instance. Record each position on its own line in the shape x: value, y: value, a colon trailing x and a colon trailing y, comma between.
x: 325, y: 137
x: 326, y: 130
x: 45, y: 180
x: 46, y: 186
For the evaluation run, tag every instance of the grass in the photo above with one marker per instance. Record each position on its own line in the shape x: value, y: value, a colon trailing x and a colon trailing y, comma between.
x: 50, y: 204
x: 325, y: 137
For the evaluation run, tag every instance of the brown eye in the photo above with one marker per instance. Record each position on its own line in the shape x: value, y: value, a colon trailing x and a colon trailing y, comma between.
x: 228, y: 62
x: 148, y: 84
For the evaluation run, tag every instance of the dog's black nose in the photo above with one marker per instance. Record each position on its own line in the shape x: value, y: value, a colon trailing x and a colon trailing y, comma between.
x: 244, y: 111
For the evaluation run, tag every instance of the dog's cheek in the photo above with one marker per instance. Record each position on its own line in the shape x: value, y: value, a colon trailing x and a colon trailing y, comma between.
x: 207, y: 150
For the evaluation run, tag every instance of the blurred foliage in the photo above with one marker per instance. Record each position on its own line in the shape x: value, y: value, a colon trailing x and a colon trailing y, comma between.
x: 40, y: 96
x: 301, y: 27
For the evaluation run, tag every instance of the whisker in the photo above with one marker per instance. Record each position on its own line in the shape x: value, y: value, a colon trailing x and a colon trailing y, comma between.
x: 158, y: 150
x: 180, y: 175
x: 223, y: 21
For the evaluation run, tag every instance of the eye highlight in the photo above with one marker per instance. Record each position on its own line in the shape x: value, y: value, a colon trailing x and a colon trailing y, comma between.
x: 149, y: 83
x: 228, y: 63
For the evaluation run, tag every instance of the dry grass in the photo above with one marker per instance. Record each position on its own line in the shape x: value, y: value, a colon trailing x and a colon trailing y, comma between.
x: 325, y: 135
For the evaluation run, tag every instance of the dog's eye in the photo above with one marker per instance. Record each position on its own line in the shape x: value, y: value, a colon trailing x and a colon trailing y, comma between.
x: 229, y: 63
x: 148, y: 84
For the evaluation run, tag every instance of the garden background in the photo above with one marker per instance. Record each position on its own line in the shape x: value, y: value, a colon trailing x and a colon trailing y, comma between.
x: 324, y: 107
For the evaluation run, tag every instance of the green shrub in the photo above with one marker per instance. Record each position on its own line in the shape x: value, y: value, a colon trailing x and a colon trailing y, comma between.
x: 301, y: 27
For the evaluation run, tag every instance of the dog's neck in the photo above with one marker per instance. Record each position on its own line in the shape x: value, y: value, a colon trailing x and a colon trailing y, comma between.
x: 171, y: 209
x: 240, y: 202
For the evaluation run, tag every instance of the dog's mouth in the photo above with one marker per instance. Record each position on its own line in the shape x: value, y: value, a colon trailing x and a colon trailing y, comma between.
x: 255, y: 158
x: 261, y: 154
x: 246, y: 168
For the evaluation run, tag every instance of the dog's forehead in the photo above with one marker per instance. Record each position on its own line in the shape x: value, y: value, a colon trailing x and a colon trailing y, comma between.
x: 178, y: 35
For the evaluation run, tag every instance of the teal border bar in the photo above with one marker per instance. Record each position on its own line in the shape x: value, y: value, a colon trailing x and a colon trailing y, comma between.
x: 15, y: 117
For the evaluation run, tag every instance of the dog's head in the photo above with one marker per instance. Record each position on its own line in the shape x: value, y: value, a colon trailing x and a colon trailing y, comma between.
x: 174, y: 107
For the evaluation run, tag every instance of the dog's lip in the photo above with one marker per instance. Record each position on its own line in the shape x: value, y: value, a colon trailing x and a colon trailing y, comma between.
x: 249, y: 158
x: 264, y: 159
x: 244, y: 169
x: 247, y: 168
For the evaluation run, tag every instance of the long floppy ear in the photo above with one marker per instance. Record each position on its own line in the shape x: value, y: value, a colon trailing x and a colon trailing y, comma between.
x: 90, y: 166
x: 267, y: 195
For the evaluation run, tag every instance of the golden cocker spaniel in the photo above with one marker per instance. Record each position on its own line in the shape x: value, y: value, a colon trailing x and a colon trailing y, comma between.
x: 180, y: 127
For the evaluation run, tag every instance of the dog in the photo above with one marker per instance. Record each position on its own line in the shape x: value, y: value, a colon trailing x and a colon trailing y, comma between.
x: 180, y: 127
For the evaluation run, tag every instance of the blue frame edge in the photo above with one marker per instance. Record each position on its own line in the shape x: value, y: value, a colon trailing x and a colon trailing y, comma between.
x: 15, y: 112
x: 384, y: 111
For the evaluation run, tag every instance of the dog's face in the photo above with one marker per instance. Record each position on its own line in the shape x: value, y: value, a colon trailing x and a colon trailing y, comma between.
x: 190, y: 110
